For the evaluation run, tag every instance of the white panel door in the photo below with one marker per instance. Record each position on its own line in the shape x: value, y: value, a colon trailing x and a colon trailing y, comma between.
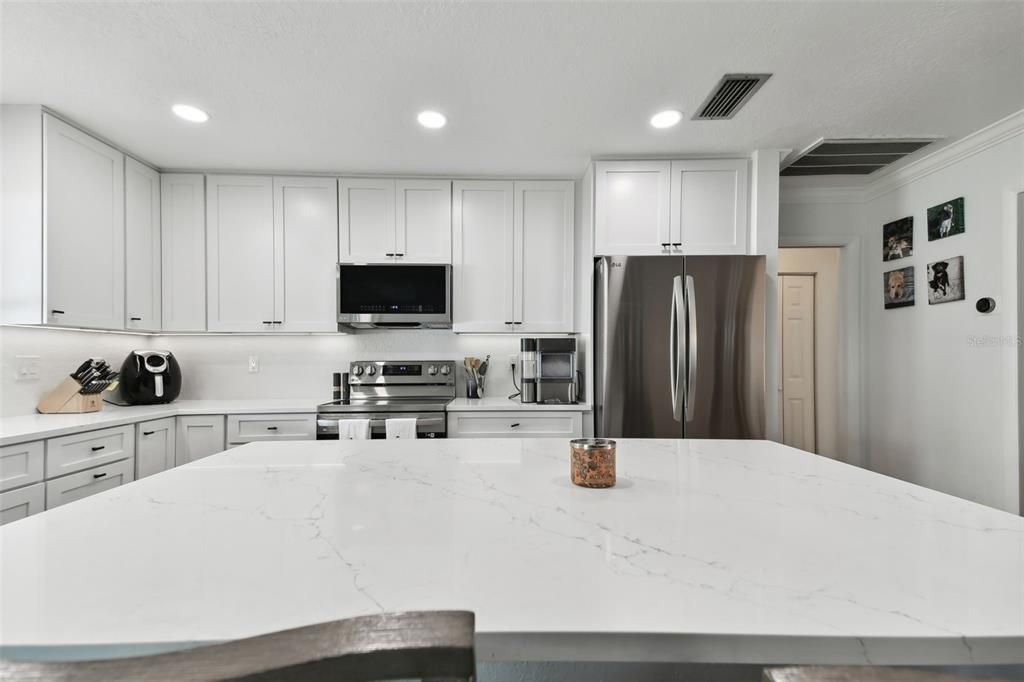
x: 198, y: 437
x: 142, y: 246
x: 366, y: 220
x: 83, y: 215
x: 423, y: 221
x: 482, y: 250
x: 797, y: 311
x: 240, y: 253
x: 306, y: 244
x: 183, y: 252
x: 709, y: 206
x: 154, y: 446
x: 23, y: 502
x: 543, y: 256
x: 632, y: 203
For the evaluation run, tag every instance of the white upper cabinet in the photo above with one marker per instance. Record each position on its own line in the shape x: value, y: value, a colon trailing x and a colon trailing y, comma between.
x: 423, y: 221
x: 513, y: 256
x: 482, y: 250
x: 142, y: 246
x: 306, y: 241
x: 240, y: 253
x: 83, y: 218
x: 709, y: 206
x: 631, y: 216
x: 366, y: 220
x: 183, y: 251
x: 543, y: 248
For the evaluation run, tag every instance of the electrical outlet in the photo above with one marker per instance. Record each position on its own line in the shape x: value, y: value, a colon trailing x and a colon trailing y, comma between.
x: 254, y: 364
x: 26, y: 368
x: 513, y: 361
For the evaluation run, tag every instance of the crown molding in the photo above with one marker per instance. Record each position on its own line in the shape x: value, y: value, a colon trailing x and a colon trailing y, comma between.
x: 975, y: 143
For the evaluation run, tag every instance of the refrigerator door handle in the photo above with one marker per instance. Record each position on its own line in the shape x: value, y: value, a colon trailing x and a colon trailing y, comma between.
x: 674, y: 339
x: 691, y: 347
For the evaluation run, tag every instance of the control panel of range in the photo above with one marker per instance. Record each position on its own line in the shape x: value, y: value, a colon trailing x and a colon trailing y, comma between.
x: 393, y: 372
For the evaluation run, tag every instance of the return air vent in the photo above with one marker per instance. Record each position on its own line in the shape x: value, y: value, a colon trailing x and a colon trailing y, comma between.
x: 854, y: 156
x: 731, y: 93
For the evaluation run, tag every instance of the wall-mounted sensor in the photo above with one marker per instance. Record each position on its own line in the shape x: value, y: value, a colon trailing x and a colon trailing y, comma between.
x: 985, y: 305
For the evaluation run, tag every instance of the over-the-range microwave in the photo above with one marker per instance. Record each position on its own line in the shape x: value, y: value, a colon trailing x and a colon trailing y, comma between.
x: 394, y: 296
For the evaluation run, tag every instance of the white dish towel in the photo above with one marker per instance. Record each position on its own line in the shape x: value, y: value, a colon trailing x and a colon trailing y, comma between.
x: 353, y: 429
x: 400, y: 428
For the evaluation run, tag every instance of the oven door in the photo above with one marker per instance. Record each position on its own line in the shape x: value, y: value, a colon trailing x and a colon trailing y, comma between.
x: 428, y: 424
x: 394, y: 296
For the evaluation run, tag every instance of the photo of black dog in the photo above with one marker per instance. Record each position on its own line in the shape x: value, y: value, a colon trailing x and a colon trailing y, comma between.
x: 946, y: 280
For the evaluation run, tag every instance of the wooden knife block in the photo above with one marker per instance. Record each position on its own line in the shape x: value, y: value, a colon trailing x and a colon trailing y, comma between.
x: 66, y: 399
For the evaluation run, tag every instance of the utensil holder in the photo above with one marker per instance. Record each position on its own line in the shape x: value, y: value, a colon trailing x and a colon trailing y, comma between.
x: 66, y: 399
x: 473, y: 389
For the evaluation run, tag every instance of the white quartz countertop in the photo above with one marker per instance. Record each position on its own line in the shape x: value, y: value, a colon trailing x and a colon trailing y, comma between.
x: 503, y: 404
x: 35, y: 426
x: 706, y: 551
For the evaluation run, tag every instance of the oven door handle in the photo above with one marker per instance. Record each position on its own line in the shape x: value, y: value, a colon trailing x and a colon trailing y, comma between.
x: 420, y: 421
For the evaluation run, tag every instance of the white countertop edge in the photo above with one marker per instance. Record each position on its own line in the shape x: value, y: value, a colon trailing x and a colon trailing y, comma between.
x: 503, y: 404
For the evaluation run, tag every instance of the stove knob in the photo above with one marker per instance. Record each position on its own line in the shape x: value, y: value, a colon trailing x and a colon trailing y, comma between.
x: 432, y: 370
x: 371, y: 370
x: 357, y: 370
x: 446, y: 370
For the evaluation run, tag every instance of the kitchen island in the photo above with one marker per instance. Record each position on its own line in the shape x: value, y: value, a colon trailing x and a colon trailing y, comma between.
x: 705, y: 551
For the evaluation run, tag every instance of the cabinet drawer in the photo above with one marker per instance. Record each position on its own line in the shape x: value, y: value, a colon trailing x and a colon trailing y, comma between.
x: 515, y: 424
x: 246, y: 428
x: 89, y: 449
x: 17, y: 504
x: 21, y: 464
x: 85, y: 483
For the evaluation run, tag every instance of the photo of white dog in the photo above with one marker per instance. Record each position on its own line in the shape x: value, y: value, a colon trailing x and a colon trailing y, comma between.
x: 946, y: 219
x: 899, y: 287
x: 898, y: 239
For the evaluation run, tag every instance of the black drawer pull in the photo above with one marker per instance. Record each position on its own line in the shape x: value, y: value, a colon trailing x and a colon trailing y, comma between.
x: 135, y: 319
x: 277, y: 322
x: 148, y: 433
x: 510, y: 323
x: 400, y: 255
x: 271, y: 428
x: 514, y: 425
x: 56, y: 312
x: 97, y: 448
x: 517, y: 323
x: 677, y: 243
x: 268, y: 322
x: 665, y: 245
x: 390, y: 255
x: 99, y: 475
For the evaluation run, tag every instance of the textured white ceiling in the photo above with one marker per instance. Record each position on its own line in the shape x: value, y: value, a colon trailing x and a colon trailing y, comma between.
x: 529, y: 88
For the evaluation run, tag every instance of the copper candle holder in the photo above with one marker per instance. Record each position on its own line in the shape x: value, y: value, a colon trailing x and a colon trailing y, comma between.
x: 593, y: 462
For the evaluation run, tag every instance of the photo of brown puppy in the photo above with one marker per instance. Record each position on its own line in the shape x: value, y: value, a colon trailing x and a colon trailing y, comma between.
x: 899, y: 287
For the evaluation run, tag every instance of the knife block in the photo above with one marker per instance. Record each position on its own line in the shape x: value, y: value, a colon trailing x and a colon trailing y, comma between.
x: 66, y: 399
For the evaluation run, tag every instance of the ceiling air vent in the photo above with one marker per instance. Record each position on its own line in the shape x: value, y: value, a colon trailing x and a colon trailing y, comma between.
x: 852, y: 156
x: 731, y: 93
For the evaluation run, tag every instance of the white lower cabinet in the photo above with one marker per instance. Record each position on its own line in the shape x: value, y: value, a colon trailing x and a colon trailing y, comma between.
x: 17, y: 504
x: 154, y: 447
x: 198, y: 437
x: 249, y: 428
x: 89, y: 482
x: 515, y: 424
x: 88, y: 449
x: 21, y: 464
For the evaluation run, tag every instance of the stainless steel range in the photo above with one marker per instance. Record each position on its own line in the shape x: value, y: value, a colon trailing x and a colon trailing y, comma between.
x: 378, y: 390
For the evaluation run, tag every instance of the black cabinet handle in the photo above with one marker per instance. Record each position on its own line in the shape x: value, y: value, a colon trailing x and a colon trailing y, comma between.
x: 517, y: 323
x: 510, y: 323
x: 677, y: 243
x: 148, y: 433
x: 277, y: 322
x: 665, y: 245
x: 135, y: 319
x: 56, y: 312
x: 97, y: 448
x: 271, y: 428
x: 400, y: 255
x: 268, y: 322
x: 514, y: 425
x: 390, y: 255
x: 99, y: 475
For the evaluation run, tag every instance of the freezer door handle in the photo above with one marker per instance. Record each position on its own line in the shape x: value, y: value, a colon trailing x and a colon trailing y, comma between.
x: 691, y: 347
x: 675, y: 337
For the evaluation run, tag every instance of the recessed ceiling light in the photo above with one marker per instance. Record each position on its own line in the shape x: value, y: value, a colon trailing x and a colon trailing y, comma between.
x: 431, y: 119
x: 667, y: 118
x: 190, y: 113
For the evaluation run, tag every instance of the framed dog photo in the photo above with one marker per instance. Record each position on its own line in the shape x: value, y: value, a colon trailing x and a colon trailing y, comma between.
x: 899, y: 287
x: 898, y: 239
x: 946, y: 219
x: 946, y: 280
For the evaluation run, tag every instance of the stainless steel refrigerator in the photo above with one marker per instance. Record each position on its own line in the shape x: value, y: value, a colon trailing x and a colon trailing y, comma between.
x: 679, y: 347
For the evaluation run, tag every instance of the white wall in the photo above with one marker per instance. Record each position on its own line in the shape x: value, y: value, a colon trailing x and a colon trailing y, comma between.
x: 940, y: 406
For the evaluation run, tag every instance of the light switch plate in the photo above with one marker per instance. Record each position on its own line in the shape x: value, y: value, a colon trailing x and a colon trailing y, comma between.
x: 254, y: 364
x: 26, y: 368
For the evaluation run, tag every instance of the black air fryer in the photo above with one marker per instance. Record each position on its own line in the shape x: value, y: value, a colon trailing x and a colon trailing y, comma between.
x: 149, y: 377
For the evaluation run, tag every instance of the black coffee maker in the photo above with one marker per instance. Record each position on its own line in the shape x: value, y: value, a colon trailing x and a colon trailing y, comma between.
x: 148, y: 377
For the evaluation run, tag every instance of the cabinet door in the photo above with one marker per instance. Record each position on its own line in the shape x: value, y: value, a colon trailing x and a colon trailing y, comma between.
x: 240, y: 253
x: 183, y: 252
x: 83, y: 199
x: 424, y: 221
x: 306, y: 242
x: 74, y: 487
x: 17, y: 504
x: 21, y: 464
x: 632, y: 200
x: 515, y: 424
x: 366, y: 220
x: 482, y: 240
x: 154, y: 447
x: 198, y: 437
x: 543, y: 256
x: 709, y: 206
x: 142, y: 246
